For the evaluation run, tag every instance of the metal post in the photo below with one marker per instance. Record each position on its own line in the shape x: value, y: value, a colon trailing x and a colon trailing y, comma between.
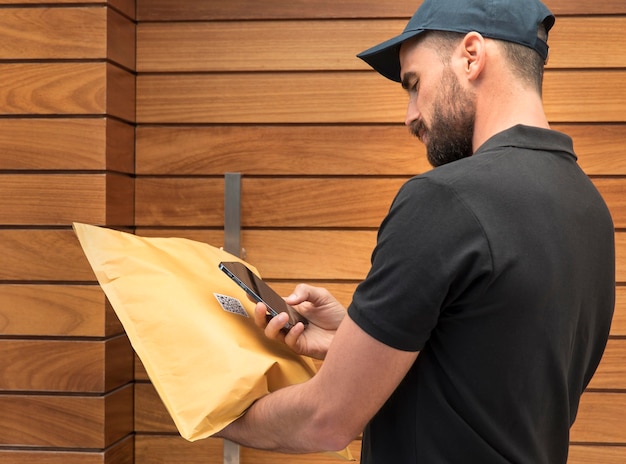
x: 232, y: 244
x: 232, y: 213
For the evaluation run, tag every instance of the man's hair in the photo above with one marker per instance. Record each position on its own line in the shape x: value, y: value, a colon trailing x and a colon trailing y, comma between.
x: 525, y: 63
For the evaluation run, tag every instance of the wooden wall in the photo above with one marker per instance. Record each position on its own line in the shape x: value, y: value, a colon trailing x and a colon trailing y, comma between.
x: 270, y: 89
x: 273, y: 90
x: 67, y: 110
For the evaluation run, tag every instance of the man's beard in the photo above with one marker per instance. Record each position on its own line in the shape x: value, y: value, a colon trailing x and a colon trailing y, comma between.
x: 449, y: 137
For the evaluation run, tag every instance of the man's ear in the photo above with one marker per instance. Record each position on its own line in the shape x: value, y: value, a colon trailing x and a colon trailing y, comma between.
x: 473, y: 54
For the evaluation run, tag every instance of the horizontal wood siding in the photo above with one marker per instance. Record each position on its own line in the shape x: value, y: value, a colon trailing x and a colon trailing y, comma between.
x: 67, y: 111
x: 273, y: 90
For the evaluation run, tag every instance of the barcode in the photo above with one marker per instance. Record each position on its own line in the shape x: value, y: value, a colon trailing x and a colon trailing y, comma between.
x: 231, y: 305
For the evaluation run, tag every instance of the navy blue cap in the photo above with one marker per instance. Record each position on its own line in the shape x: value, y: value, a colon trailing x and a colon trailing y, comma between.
x: 510, y: 20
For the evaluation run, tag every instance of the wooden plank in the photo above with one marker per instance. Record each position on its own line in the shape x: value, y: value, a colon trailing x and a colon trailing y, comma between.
x: 120, y: 143
x: 613, y: 190
x: 600, y: 147
x: 64, y: 144
x: 120, y: 209
x: 600, y: 418
x: 121, y: 35
x: 316, y: 45
x: 184, y: 207
x: 66, y: 421
x: 53, y: 88
x: 287, y: 202
x: 74, y: 366
x: 611, y: 374
x: 593, y: 454
x: 150, y: 412
x: 251, y: 456
x: 285, y: 150
x: 603, y: 101
x: 618, y: 327
x: 118, y: 453
x: 620, y: 259
x: 120, y: 93
x: 597, y: 33
x: 68, y: 2
x: 56, y: 310
x: 173, y: 449
x: 266, y: 202
x: 337, y: 97
x: 158, y: 10
x: 53, y: 33
x: 67, y: 88
x: 42, y: 255
x: 330, y: 150
x: 170, y: 449
x: 60, y: 199
x: 126, y: 7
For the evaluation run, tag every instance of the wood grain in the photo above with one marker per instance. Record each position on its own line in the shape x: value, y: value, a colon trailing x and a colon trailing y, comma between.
x: 60, y: 199
x: 66, y: 144
x: 338, y: 97
x: 65, y: 421
x: 53, y: 88
x: 153, y: 10
x: 43, y: 255
x: 56, y: 310
x: 172, y: 449
x: 300, y: 202
x: 317, y: 45
x: 121, y: 31
x: 611, y: 374
x: 593, y: 454
x: 118, y: 453
x: 150, y: 413
x: 600, y: 418
x: 65, y: 365
x: 53, y: 33
x: 279, y: 150
x: 120, y: 92
x: 67, y: 88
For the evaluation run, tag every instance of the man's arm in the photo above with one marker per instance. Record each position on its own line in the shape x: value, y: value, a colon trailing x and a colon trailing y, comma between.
x: 330, y: 410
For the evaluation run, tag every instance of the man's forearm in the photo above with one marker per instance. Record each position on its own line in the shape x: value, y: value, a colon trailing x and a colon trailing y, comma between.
x: 280, y: 422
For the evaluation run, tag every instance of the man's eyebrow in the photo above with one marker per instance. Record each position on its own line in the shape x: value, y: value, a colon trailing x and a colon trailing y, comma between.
x: 407, y: 78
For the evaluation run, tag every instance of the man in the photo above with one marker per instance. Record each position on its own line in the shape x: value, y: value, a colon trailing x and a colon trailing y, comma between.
x: 489, y: 301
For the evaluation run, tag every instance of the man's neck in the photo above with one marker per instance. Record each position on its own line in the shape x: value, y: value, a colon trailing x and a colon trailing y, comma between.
x: 498, y: 111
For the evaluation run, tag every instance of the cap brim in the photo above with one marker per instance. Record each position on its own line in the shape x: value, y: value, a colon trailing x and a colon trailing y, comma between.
x: 385, y: 57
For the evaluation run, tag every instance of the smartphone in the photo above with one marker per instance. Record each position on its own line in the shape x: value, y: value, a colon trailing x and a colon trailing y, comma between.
x: 261, y: 292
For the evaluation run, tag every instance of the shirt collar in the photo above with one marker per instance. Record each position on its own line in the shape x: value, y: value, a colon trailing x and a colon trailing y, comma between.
x: 533, y: 138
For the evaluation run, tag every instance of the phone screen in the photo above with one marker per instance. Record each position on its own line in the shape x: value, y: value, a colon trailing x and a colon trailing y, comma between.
x: 260, y: 291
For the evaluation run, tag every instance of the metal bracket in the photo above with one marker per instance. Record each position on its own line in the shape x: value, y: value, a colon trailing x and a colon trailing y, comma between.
x: 232, y: 214
x: 232, y: 244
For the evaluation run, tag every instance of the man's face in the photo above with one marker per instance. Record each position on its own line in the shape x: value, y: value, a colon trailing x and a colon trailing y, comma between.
x: 441, y: 113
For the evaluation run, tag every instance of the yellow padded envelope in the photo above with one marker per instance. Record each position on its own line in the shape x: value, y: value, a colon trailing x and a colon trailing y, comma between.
x: 191, y: 326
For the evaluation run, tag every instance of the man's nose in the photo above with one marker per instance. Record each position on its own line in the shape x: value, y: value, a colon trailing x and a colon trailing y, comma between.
x: 412, y: 113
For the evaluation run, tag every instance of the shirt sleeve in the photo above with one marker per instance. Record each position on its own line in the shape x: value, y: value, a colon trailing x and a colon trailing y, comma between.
x: 431, y: 257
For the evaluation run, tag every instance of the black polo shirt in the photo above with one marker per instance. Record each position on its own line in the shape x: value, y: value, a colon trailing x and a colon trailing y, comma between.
x: 499, y: 268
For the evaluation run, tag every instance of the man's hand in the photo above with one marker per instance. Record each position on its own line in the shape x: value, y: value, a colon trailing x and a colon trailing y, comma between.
x: 322, y: 310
